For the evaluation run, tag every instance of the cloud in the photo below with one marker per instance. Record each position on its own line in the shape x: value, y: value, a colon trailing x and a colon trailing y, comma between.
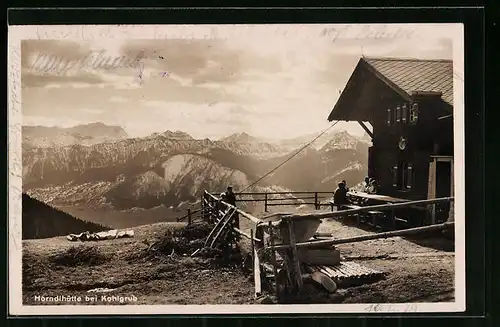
x: 52, y: 86
x: 50, y: 121
x: 268, y: 80
x: 117, y: 99
x: 181, y: 80
x: 41, y: 80
x: 92, y: 111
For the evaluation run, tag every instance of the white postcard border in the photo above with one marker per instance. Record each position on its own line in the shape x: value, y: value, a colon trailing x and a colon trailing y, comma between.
x: 94, y: 32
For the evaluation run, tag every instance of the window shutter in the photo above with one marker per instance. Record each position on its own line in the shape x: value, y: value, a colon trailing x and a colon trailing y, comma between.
x: 395, y: 176
x: 410, y: 176
x: 404, y: 113
x: 389, y: 114
x: 398, y: 114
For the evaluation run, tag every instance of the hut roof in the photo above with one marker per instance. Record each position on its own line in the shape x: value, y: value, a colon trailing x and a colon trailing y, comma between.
x: 406, y: 77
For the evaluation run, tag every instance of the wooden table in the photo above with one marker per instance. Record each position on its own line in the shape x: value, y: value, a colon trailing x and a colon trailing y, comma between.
x: 376, y: 197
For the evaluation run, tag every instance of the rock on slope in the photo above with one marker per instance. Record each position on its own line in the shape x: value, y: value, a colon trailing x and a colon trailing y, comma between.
x: 42, y: 221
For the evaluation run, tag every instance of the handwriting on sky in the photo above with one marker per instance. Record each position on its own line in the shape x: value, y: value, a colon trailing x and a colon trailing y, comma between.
x: 354, y: 32
x: 45, y: 63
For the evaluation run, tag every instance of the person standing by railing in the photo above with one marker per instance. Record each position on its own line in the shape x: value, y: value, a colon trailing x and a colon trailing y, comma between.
x: 230, y: 198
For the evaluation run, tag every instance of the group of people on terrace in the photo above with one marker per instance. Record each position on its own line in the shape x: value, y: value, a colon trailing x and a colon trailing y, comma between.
x: 340, y: 197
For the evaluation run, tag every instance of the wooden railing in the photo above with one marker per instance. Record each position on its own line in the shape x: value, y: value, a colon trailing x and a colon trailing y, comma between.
x: 213, y: 211
x: 286, y: 198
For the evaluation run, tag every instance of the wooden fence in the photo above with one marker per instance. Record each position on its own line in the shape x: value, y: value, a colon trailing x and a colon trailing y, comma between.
x: 213, y: 210
x: 317, y: 199
x: 269, y: 199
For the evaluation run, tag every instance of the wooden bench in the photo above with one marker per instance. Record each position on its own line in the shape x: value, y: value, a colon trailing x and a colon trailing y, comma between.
x: 373, y: 214
x: 348, y: 206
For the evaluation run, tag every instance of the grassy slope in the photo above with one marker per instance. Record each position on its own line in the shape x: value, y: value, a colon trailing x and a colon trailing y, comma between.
x: 176, y: 280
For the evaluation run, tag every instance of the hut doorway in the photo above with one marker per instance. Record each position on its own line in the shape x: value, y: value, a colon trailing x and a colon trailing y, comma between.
x: 440, y: 185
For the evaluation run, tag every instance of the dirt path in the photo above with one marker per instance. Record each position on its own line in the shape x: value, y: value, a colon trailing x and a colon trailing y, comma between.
x: 415, y: 273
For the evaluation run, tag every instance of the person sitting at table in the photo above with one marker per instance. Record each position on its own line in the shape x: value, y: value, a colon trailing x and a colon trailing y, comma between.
x: 340, y: 197
x: 366, y: 184
x: 373, y: 187
x: 345, y: 185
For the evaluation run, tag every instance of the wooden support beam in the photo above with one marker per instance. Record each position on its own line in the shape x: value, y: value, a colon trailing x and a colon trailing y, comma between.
x: 250, y: 237
x: 243, y: 213
x: 403, y: 232
x: 218, y: 226
x: 297, y: 273
x: 228, y: 220
x: 367, y: 130
x: 273, y: 261
x: 256, y: 273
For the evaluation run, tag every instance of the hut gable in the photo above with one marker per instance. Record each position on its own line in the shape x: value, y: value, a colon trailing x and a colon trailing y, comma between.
x: 387, y: 79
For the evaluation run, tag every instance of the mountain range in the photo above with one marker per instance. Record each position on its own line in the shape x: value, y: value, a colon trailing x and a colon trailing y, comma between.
x: 93, y: 133
x: 166, y: 171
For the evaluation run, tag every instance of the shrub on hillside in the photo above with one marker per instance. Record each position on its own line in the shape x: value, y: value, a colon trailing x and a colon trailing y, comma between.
x: 81, y: 255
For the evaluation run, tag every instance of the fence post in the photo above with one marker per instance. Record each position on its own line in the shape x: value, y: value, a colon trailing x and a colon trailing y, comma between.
x: 316, y: 200
x: 189, y: 217
x: 203, y: 206
x: 273, y: 261
x: 265, y: 202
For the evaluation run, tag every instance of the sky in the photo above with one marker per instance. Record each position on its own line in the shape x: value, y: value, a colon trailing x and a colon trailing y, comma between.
x: 270, y: 81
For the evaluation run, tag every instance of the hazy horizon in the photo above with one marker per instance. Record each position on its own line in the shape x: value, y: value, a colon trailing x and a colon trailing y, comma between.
x: 312, y: 135
x: 245, y: 79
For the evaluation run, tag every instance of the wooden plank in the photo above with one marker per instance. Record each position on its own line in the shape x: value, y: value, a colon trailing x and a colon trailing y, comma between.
x: 241, y: 212
x: 367, y: 130
x: 431, y: 189
x: 294, y: 256
x: 223, y: 228
x: 273, y: 261
x: 253, y: 247
x: 327, y: 257
x: 324, y: 280
x: 256, y: 274
x: 403, y: 232
x: 378, y: 197
x: 250, y: 237
x: 279, y: 193
x: 215, y: 230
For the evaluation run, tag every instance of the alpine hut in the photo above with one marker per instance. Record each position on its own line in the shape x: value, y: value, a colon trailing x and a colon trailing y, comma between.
x: 406, y: 106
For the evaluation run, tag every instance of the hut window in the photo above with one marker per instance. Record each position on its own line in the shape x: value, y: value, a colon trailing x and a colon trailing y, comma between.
x: 398, y: 114
x: 404, y: 113
x: 389, y: 117
x: 414, y: 113
x: 402, y: 177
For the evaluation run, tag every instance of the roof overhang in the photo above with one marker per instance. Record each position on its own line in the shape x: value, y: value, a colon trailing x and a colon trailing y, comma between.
x: 365, y: 89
